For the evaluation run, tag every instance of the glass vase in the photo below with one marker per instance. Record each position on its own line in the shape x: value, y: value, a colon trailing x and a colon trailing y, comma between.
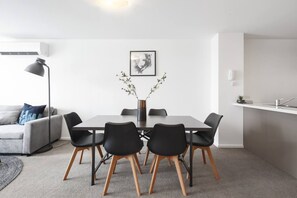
x: 141, y: 110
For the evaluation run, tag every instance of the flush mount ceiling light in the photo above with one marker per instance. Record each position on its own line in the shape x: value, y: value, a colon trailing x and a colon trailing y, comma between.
x: 113, y: 3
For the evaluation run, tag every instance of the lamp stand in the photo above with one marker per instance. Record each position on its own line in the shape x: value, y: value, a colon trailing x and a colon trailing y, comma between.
x: 49, y: 146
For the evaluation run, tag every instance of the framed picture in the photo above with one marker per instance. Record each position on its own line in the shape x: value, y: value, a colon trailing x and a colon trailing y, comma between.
x: 143, y: 63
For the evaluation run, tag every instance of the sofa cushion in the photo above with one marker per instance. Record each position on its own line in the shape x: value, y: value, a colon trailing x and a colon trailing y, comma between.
x: 11, y: 107
x: 9, y: 114
x: 53, y: 111
x: 30, y: 112
x: 9, y: 117
x: 12, y: 131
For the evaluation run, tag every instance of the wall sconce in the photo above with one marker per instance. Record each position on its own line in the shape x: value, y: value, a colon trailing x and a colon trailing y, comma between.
x: 231, y: 76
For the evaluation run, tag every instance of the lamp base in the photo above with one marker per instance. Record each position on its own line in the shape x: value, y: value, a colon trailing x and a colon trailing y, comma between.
x: 44, y: 149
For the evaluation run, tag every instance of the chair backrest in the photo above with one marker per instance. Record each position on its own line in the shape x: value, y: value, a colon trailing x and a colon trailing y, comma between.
x: 73, y: 119
x: 129, y: 112
x: 212, y: 120
x: 168, y: 140
x: 157, y: 112
x: 121, y: 138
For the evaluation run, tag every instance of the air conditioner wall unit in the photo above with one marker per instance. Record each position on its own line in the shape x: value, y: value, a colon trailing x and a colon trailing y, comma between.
x: 23, y: 48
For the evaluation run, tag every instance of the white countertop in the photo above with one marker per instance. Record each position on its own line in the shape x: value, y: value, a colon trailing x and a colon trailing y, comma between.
x: 268, y: 107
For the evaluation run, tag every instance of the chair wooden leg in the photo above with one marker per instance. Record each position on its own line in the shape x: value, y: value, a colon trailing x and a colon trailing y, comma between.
x: 152, y: 165
x: 81, y: 156
x: 185, y: 152
x: 203, y: 156
x: 100, y: 152
x: 135, y: 158
x: 131, y: 159
x: 213, y: 165
x: 157, y: 162
x: 110, y: 171
x: 179, y: 173
x: 71, y: 162
x: 146, y: 156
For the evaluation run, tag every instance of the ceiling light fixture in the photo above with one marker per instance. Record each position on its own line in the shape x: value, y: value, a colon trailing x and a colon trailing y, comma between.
x: 113, y: 3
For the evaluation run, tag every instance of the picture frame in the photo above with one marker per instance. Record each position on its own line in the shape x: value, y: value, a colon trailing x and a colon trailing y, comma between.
x: 143, y: 63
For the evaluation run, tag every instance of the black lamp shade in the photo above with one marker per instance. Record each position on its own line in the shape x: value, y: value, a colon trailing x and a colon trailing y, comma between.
x: 37, y: 67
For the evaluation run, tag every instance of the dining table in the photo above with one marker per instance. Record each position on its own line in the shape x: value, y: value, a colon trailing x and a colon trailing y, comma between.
x: 98, y: 123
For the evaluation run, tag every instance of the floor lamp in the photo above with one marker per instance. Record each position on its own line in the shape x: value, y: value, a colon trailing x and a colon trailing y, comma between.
x: 38, y: 69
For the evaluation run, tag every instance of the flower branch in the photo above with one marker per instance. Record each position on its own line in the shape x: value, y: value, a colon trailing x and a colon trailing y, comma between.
x: 156, y: 86
x: 130, y: 87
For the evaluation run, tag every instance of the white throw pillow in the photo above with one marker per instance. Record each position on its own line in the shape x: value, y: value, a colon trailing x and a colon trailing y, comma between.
x: 9, y: 117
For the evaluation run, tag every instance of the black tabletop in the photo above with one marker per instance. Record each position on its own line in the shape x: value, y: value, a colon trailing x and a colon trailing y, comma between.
x: 98, y: 122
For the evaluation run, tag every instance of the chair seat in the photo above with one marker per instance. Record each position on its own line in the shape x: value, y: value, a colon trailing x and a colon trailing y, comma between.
x: 86, y: 141
x: 123, y: 148
x: 198, y: 140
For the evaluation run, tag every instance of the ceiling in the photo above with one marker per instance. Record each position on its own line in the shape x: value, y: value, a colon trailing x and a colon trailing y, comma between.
x: 147, y: 19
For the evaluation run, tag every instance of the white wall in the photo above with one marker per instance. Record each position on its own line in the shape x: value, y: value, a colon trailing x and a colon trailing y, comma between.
x: 228, y: 53
x: 270, y: 69
x: 83, y: 77
x: 215, y: 79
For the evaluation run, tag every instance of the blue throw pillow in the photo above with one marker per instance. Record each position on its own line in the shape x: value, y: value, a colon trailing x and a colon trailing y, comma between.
x: 30, y: 112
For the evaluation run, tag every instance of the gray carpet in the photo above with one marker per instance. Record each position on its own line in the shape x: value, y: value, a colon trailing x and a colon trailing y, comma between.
x: 242, y: 175
x: 10, y: 168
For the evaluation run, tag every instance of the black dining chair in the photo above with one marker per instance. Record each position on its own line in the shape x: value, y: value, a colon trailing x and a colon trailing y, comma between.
x: 203, y: 140
x: 157, y: 112
x: 80, y: 139
x: 129, y: 112
x: 122, y: 141
x: 168, y: 141
x: 153, y: 112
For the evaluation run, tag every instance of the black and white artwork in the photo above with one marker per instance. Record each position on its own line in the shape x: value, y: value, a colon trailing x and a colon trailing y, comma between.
x: 142, y: 63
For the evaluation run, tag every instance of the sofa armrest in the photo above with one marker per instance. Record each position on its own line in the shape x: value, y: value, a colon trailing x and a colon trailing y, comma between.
x: 36, y: 133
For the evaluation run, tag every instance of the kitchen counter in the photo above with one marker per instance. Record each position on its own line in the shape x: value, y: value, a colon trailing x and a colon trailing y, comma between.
x: 268, y: 107
x: 270, y: 133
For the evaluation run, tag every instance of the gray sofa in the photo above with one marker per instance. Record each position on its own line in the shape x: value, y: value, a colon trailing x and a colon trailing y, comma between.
x: 28, y: 138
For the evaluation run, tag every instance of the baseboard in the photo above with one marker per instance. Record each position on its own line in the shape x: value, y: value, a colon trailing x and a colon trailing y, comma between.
x: 230, y: 146
x: 65, y: 138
